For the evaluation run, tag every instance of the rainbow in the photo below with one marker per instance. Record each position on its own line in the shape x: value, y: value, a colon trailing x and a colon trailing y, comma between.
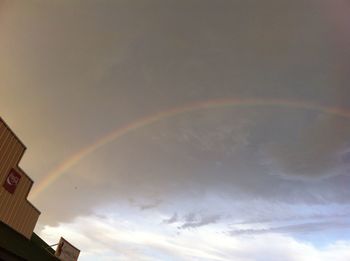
x: 62, y: 168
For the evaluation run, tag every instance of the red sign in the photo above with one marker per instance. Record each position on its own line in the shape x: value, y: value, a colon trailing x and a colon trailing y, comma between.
x: 12, y: 181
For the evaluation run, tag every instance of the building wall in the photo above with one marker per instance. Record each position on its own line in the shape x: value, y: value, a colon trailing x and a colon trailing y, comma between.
x: 15, y: 210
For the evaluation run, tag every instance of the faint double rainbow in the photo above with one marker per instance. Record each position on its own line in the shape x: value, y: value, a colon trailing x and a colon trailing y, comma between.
x: 62, y: 168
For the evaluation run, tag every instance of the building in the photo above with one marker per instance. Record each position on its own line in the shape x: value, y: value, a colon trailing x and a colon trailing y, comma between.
x: 18, y: 216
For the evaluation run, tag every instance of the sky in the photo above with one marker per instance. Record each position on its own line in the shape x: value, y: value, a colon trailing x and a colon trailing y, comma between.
x: 183, y: 130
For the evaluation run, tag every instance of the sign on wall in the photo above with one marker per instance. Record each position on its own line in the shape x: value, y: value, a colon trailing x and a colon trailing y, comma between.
x: 11, y: 181
x: 66, y: 251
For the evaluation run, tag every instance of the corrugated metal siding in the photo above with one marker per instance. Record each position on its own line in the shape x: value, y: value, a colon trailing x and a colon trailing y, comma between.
x: 15, y: 210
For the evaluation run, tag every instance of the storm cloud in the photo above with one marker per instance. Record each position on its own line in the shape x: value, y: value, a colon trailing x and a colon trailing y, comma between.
x: 72, y: 72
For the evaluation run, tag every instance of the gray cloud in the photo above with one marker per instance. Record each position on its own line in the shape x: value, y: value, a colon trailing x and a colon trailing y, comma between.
x: 172, y: 219
x: 193, y: 221
x: 73, y: 71
x: 150, y: 205
x: 300, y: 228
x: 315, y: 151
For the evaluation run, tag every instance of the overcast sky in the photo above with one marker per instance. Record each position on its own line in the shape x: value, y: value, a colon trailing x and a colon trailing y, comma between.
x: 262, y: 173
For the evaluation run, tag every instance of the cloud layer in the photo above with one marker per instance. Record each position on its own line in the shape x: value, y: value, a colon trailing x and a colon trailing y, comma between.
x: 127, y: 240
x: 73, y: 71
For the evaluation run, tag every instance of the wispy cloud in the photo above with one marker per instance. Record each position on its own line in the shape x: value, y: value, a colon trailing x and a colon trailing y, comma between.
x: 132, y: 241
x: 151, y: 205
x: 196, y: 220
x: 172, y: 219
x: 293, y: 229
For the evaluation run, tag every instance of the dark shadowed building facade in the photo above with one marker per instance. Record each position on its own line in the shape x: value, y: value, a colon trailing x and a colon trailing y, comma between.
x: 18, y: 216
